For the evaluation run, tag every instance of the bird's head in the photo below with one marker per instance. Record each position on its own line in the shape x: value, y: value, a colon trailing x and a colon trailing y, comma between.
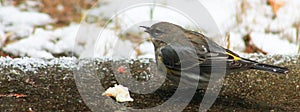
x: 164, y: 31
x: 162, y: 28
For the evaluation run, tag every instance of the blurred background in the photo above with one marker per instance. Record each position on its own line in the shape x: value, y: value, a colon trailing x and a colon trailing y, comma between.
x: 91, y: 28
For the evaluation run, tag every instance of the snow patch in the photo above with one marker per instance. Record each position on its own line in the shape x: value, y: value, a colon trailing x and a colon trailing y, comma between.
x: 32, y: 64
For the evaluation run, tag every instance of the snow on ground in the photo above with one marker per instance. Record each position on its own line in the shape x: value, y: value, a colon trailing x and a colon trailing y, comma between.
x: 21, y: 23
x: 287, y: 16
x: 238, y: 18
x: 2, y: 35
x: 147, y: 49
x: 223, y: 12
x: 273, y: 35
x: 273, y: 44
x: 26, y: 64
x: 45, y: 43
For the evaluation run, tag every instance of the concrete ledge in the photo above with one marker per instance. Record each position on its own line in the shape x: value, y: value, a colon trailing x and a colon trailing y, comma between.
x: 49, y: 85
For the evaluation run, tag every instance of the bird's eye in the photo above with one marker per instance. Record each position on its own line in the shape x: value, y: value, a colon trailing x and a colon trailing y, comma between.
x: 157, y: 32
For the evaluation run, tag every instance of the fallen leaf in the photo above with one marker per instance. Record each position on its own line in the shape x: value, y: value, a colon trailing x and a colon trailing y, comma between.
x: 276, y: 5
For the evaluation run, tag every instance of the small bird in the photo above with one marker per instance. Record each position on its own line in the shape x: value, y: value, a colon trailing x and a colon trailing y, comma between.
x: 184, y: 52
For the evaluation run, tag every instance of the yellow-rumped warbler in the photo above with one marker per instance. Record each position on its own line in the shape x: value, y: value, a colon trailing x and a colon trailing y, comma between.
x: 179, y: 50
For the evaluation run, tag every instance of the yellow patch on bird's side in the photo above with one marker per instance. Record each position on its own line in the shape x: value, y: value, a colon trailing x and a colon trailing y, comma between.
x: 234, y: 57
x: 159, y: 59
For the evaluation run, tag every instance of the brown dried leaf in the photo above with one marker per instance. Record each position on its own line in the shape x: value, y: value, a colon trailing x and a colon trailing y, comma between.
x: 276, y: 5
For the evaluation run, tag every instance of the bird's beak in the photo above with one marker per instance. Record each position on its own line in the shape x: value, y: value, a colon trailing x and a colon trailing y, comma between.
x: 147, y: 29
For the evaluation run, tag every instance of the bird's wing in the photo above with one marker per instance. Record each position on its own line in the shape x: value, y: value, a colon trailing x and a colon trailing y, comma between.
x: 202, y: 52
x: 215, y: 55
x: 215, y: 51
x: 179, y: 57
x: 188, y: 60
x: 205, y: 46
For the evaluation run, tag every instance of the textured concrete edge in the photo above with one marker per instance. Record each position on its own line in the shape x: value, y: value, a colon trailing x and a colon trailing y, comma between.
x: 30, y: 76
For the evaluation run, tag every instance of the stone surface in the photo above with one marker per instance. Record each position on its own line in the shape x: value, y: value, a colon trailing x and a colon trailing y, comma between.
x: 68, y: 84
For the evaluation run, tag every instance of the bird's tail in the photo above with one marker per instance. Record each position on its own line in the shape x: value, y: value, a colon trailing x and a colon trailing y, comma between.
x: 270, y: 68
